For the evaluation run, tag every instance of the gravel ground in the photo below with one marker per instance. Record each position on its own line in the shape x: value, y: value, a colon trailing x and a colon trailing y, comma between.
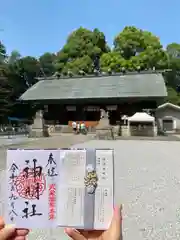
x: 147, y: 183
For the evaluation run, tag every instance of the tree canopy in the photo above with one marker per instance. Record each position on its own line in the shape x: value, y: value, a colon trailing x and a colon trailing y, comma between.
x: 86, y: 52
x: 135, y: 49
x: 82, y: 51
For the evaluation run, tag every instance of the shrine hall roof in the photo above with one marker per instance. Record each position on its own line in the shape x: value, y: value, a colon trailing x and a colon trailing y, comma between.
x: 114, y: 86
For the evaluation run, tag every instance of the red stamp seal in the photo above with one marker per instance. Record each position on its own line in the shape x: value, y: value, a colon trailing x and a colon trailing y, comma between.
x: 30, y: 186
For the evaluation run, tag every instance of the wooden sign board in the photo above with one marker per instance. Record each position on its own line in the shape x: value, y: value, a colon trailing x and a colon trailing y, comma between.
x: 92, y: 108
x: 71, y: 108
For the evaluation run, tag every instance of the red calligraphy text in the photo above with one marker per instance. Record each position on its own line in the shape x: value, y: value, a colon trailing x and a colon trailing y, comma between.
x: 52, y: 201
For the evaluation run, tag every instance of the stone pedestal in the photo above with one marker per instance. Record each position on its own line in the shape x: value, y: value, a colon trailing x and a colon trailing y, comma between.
x: 37, y: 128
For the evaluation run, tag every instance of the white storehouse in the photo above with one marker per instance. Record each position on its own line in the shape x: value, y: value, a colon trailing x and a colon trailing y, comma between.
x: 168, y: 117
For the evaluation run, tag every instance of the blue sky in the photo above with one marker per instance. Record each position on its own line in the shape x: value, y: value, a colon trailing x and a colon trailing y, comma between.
x: 36, y: 26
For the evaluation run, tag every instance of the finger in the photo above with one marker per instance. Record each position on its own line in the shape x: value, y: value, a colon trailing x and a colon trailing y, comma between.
x: 1, y: 223
x: 74, y: 234
x: 21, y: 232
x: 94, y: 234
x: 116, y: 224
x: 7, y: 232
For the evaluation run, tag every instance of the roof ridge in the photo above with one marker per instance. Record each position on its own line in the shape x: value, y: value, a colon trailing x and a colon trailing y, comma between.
x: 106, y: 74
x: 170, y: 105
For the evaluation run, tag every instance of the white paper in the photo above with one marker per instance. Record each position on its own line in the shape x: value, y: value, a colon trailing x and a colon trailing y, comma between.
x: 71, y: 188
x: 48, y: 188
x: 26, y: 206
x: 104, y: 192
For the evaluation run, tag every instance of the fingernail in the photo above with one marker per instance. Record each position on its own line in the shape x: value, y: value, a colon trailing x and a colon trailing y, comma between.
x: 75, y: 230
x: 70, y: 230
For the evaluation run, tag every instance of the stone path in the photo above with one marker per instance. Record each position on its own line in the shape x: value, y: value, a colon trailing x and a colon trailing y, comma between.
x: 5, y: 140
x: 147, y: 182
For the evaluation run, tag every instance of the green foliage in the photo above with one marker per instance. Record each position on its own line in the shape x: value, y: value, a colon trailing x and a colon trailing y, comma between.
x: 47, y: 63
x: 140, y: 49
x: 173, y: 97
x: 5, y: 87
x: 2, y: 53
x: 173, y: 50
x: 80, y: 51
x: 14, y: 57
x: 5, y: 97
x: 79, y: 64
x: 111, y: 61
x: 132, y: 41
x: 173, y: 77
x: 21, y: 73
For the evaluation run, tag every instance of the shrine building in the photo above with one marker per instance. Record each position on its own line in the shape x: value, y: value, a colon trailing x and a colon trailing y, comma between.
x: 82, y: 98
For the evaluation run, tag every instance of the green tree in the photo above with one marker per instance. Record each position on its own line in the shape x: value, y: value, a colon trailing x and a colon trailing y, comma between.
x: 5, y: 87
x: 2, y: 53
x: 78, y: 65
x: 22, y: 74
x: 47, y: 63
x: 139, y: 49
x: 82, y: 51
x: 29, y: 69
x: 173, y: 50
x: 112, y: 62
x: 173, y: 77
x: 133, y: 41
x: 172, y: 97
x: 15, y: 55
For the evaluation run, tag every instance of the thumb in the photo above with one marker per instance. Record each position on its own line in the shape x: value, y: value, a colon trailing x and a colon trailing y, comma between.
x: 7, y: 232
x: 115, y: 228
x: 74, y: 234
x: 1, y: 223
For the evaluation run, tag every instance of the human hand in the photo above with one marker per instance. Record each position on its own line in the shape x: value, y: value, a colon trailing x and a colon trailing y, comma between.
x: 8, y: 232
x: 114, y: 232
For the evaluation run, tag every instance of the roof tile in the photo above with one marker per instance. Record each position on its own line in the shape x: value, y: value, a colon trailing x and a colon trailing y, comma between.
x: 138, y: 85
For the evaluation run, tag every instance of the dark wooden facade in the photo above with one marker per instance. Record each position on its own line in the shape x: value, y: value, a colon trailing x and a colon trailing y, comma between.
x: 63, y: 113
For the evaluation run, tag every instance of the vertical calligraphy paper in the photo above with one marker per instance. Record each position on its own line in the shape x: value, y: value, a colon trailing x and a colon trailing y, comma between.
x: 28, y: 188
x: 71, y: 188
x: 104, y: 196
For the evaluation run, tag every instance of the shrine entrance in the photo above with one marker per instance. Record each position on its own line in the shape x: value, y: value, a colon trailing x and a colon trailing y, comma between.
x: 89, y: 114
x: 62, y: 114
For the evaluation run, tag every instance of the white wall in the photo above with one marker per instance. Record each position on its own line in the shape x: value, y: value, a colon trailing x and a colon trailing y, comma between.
x: 168, y: 113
